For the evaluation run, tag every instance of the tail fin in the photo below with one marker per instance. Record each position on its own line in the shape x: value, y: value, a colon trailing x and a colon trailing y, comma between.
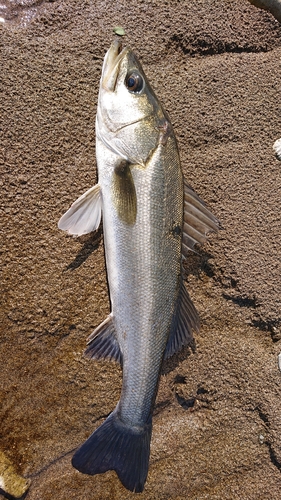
x: 115, y: 446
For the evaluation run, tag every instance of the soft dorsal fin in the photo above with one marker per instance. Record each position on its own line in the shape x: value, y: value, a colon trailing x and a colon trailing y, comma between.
x: 198, y: 220
x: 103, y: 342
x: 185, y: 319
x: 84, y: 214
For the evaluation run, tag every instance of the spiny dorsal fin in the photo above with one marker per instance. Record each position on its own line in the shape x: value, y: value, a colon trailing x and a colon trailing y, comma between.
x: 103, y: 343
x: 185, y: 319
x: 198, y: 221
x: 84, y: 214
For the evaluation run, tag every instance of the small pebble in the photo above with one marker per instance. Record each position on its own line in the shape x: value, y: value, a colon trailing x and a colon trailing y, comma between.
x: 279, y: 361
x: 261, y: 439
x: 118, y: 30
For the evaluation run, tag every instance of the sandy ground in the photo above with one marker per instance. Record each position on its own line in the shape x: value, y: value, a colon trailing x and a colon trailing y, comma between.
x: 216, y: 67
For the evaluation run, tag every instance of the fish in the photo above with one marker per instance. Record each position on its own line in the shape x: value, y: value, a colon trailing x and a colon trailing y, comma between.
x: 151, y: 220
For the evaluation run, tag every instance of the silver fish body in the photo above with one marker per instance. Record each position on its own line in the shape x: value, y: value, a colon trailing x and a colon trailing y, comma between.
x: 149, y: 218
x: 143, y: 267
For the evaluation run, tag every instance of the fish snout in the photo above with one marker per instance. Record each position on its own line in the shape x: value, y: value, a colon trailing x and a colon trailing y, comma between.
x: 111, y: 65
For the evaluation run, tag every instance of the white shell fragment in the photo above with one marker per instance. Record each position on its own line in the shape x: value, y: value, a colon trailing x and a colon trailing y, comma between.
x: 261, y: 439
x: 279, y: 361
x: 10, y: 482
x: 277, y: 149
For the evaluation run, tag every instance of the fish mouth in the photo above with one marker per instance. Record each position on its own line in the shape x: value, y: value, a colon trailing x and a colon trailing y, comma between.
x: 111, y: 65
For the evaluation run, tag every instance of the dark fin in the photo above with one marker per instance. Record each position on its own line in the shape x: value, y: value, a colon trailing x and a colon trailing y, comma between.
x: 198, y: 221
x: 103, y: 342
x: 124, y: 193
x: 84, y: 214
x: 115, y: 446
x: 185, y: 319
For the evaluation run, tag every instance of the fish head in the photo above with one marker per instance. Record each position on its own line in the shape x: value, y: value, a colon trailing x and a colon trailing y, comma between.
x: 130, y: 118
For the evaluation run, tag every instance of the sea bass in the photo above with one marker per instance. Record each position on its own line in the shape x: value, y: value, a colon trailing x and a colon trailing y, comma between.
x: 150, y: 218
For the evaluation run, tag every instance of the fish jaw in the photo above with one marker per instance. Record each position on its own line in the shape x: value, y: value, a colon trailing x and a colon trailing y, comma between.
x: 111, y: 64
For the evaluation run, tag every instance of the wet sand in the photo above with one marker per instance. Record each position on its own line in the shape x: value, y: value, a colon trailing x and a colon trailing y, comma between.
x: 216, y: 68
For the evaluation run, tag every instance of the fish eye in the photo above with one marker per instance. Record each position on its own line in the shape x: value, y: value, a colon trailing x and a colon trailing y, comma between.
x: 134, y: 82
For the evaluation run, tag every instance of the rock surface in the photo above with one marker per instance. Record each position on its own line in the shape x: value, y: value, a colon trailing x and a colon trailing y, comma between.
x: 216, y: 67
x: 10, y: 482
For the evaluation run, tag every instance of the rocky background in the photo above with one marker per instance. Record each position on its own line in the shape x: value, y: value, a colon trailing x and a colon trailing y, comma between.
x: 216, y: 67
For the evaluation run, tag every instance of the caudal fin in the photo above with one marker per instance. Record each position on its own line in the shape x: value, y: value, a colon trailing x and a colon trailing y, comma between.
x: 115, y: 446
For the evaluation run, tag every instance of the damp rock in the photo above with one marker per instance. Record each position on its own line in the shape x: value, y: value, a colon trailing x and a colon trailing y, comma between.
x: 10, y: 482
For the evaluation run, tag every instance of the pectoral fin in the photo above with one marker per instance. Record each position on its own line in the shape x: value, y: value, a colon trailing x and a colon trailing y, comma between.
x: 124, y: 193
x: 84, y: 214
x: 103, y: 343
x: 198, y: 221
x: 185, y: 320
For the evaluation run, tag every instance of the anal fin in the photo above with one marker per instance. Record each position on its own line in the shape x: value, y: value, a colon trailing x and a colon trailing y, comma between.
x: 102, y: 343
x: 84, y: 214
x: 185, y: 320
